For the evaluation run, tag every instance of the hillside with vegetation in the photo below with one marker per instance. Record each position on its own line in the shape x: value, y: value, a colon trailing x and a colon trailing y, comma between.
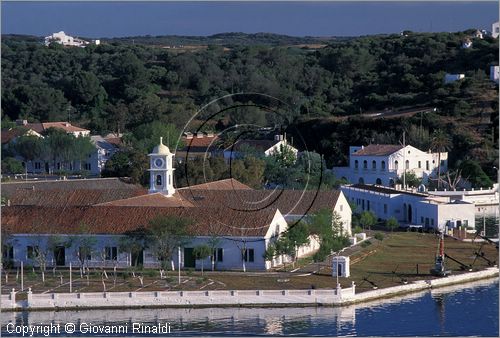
x: 330, y: 92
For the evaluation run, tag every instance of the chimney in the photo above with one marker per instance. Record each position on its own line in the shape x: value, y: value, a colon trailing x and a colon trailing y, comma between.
x: 188, y: 135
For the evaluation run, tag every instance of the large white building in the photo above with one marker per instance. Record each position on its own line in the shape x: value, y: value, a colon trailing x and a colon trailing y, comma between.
x: 383, y: 164
x: 241, y: 221
x: 411, y: 208
x: 67, y: 40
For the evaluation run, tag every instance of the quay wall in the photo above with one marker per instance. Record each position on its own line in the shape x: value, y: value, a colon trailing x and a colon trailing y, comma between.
x: 226, y: 298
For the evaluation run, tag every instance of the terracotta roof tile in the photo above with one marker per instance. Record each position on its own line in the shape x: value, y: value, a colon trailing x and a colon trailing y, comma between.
x: 9, y: 188
x: 378, y: 150
x: 62, y: 198
x: 118, y: 220
x: 152, y: 200
x: 293, y: 202
x: 226, y: 184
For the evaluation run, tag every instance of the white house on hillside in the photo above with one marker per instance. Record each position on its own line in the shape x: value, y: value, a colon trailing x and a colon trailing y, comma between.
x: 265, y: 147
x: 382, y: 164
x: 66, y: 40
x: 494, y: 73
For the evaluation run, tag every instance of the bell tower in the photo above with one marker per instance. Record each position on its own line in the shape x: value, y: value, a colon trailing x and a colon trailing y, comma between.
x: 161, y: 171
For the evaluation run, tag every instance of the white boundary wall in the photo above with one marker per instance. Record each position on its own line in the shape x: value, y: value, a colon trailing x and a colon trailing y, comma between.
x: 226, y: 297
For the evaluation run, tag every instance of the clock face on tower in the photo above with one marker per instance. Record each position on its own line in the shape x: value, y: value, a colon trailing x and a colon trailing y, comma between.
x: 158, y: 163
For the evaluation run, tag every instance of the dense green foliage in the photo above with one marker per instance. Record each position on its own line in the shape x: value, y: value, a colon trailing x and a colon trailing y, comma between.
x: 121, y: 87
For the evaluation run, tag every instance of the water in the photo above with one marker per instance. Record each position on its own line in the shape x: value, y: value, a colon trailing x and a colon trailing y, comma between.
x: 464, y: 310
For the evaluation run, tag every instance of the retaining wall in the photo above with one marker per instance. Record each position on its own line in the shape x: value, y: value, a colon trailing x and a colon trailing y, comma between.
x: 328, y: 297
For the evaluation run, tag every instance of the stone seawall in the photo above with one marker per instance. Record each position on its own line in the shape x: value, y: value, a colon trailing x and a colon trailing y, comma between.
x: 226, y: 298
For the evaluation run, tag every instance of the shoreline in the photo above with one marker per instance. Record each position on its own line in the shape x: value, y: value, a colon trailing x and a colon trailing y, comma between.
x: 229, y: 298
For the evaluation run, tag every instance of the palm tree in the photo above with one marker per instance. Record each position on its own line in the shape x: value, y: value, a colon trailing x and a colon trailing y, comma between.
x: 440, y: 142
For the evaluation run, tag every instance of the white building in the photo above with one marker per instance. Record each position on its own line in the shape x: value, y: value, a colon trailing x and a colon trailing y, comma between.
x: 494, y: 73
x: 411, y: 208
x: 65, y: 40
x: 104, y: 150
x: 467, y: 43
x: 382, y: 164
x: 495, y: 30
x: 264, y: 147
x: 449, y: 78
x: 242, y: 235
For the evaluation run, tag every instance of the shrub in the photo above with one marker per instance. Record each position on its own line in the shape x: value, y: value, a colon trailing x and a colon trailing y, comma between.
x: 379, y: 236
x: 357, y: 229
x: 365, y: 244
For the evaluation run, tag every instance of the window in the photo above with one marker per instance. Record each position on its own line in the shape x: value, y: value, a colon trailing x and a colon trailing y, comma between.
x: 382, y: 165
x: 8, y: 252
x: 432, y: 221
x: 422, y: 220
x: 248, y: 255
x: 374, y: 165
x: 419, y: 164
x: 341, y: 207
x: 158, y: 179
x: 31, y: 251
x: 396, y: 165
x: 37, y: 165
x: 87, y: 166
x: 111, y: 253
x: 368, y: 205
x: 378, y: 181
x: 442, y: 162
x: 219, y: 254
x: 426, y: 165
x: 407, y: 164
x: 385, y: 208
x: 356, y: 164
x: 365, y: 164
x: 84, y: 253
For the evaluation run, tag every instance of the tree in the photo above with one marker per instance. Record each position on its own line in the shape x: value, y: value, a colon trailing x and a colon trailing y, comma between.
x: 392, y: 223
x: 213, y: 243
x: 84, y: 246
x: 367, y: 219
x: 12, y: 166
x: 327, y: 225
x: 411, y: 179
x: 29, y: 148
x: 201, y: 252
x: 128, y: 163
x: 83, y: 148
x: 134, y: 242
x: 475, y: 174
x: 166, y: 234
x: 440, y: 142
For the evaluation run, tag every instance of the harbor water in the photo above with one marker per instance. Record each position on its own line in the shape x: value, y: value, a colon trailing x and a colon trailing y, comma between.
x: 461, y: 310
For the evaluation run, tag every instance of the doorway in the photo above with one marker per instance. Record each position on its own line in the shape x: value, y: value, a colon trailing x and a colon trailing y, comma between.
x: 60, y: 255
x: 189, y: 259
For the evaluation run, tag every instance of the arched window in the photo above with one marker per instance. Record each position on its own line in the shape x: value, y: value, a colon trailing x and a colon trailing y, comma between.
x: 374, y: 165
x: 378, y: 181
x: 382, y: 165
x: 356, y: 164
x: 407, y: 165
x: 396, y: 165
x: 391, y: 183
x: 158, y: 179
x: 365, y: 164
x: 361, y: 180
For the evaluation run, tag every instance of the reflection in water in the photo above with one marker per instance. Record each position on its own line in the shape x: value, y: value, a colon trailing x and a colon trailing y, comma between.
x: 414, y: 314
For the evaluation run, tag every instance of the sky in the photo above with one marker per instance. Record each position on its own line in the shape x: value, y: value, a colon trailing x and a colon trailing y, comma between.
x: 116, y: 19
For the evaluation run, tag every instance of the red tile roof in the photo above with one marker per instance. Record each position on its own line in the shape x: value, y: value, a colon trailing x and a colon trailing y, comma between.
x: 10, y: 134
x: 63, y: 198
x: 226, y: 184
x: 204, y: 141
x: 378, y: 150
x: 293, y: 202
x: 118, y: 220
x: 152, y: 200
x: 9, y: 188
